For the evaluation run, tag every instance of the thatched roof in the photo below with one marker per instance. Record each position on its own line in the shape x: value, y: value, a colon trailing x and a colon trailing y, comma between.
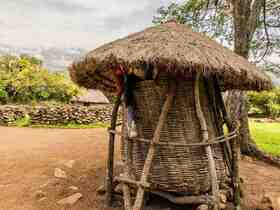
x: 91, y: 97
x: 169, y: 47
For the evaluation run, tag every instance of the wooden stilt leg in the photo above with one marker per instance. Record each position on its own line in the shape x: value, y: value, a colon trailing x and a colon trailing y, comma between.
x: 126, y: 190
x: 127, y: 160
x: 110, y: 159
x: 156, y: 138
x: 205, y: 138
x: 235, y: 147
x: 235, y: 173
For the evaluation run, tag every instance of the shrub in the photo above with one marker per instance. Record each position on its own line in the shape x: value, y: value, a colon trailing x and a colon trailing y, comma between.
x: 267, y: 102
x: 22, y: 80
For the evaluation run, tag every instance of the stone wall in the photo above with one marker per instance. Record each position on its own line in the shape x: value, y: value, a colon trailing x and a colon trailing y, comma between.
x: 53, y: 115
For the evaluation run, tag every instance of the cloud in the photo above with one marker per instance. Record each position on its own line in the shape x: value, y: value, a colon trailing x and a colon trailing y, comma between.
x: 73, y: 23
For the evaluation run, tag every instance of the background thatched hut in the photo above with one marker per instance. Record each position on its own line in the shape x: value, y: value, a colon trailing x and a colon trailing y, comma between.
x: 91, y: 97
x: 173, y: 55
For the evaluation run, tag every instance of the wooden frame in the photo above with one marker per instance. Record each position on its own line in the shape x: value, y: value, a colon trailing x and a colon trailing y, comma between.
x: 231, y: 151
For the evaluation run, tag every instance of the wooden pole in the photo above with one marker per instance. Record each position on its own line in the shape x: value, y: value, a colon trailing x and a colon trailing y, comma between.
x: 156, y: 138
x: 235, y: 147
x: 110, y: 159
x: 212, y: 98
x: 205, y: 138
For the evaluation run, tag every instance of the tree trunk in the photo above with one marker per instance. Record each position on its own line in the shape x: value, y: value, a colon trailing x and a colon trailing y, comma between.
x: 245, y: 15
x: 238, y: 110
x: 236, y: 101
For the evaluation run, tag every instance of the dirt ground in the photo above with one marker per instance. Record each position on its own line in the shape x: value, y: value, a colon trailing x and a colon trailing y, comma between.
x: 29, y: 157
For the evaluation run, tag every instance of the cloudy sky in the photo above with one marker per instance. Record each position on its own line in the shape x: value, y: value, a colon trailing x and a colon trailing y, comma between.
x: 72, y: 23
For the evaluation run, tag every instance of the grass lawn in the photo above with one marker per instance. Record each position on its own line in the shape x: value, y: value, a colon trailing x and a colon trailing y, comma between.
x: 267, y: 136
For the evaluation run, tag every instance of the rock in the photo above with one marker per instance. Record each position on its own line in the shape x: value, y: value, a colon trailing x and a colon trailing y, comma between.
x: 73, y: 188
x: 119, y: 164
x: 70, y: 163
x: 222, y: 197
x: 42, y: 199
x: 202, y: 207
x: 101, y: 190
x: 71, y: 199
x: 60, y: 173
x: 222, y: 205
x: 271, y: 200
x: 118, y: 189
x: 44, y: 185
x: 40, y: 194
x: 247, y: 158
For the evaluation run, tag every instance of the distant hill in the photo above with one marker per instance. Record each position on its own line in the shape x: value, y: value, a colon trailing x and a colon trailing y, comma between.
x: 55, y: 59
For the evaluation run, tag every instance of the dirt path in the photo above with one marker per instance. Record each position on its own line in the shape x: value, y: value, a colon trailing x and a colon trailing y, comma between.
x: 29, y: 157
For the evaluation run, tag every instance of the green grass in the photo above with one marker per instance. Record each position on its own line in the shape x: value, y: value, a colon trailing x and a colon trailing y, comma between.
x: 267, y: 136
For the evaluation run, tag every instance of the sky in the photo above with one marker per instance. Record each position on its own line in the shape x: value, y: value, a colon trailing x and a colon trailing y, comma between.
x: 73, y: 23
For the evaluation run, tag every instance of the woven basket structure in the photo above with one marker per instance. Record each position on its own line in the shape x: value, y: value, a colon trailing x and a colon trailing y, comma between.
x: 175, y: 168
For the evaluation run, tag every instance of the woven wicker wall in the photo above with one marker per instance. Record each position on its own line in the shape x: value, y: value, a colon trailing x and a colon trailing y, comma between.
x: 174, y: 169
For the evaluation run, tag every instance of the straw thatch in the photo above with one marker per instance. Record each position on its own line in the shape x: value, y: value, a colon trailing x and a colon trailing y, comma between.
x: 91, y: 97
x: 169, y: 47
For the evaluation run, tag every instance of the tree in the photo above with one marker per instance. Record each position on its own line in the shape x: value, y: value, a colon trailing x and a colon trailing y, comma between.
x: 250, y: 27
x: 23, y: 80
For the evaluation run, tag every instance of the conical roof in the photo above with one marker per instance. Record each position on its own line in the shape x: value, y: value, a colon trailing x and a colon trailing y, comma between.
x: 169, y: 47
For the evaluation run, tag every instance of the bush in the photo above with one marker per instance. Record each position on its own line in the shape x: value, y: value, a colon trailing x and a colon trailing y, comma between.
x: 22, y: 80
x: 266, y: 102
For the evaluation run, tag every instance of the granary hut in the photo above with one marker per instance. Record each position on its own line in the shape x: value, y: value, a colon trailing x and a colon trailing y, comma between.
x: 91, y: 97
x: 169, y: 79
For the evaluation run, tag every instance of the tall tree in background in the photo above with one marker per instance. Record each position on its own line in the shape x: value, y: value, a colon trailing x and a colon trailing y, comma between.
x: 250, y: 27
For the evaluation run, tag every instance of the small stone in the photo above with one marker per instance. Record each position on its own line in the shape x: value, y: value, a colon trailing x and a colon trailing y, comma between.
x: 70, y: 163
x: 119, y: 164
x: 42, y: 199
x: 222, y: 206
x: 59, y: 173
x: 247, y: 158
x: 101, y: 190
x: 73, y: 188
x: 271, y: 200
x: 40, y: 194
x: 222, y: 197
x: 202, y: 207
x: 71, y: 199
x: 44, y: 185
x: 118, y: 189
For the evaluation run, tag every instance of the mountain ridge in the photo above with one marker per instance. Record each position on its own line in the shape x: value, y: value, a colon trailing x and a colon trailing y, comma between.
x: 54, y: 58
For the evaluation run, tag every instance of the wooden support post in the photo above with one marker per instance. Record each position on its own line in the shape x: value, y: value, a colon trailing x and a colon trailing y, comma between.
x: 235, y: 147
x: 126, y: 167
x: 110, y: 159
x: 212, y: 98
x: 156, y: 138
x: 205, y: 138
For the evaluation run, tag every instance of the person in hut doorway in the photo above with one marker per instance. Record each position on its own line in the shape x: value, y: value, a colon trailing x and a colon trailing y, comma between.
x: 126, y: 84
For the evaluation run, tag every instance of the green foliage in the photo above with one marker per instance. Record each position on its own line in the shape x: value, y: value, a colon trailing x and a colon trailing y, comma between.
x: 23, y: 122
x: 215, y: 18
x: 266, y: 102
x: 23, y: 80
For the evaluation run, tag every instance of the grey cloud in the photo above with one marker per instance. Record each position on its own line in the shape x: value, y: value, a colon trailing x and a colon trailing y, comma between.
x: 51, y: 5
x: 73, y: 23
